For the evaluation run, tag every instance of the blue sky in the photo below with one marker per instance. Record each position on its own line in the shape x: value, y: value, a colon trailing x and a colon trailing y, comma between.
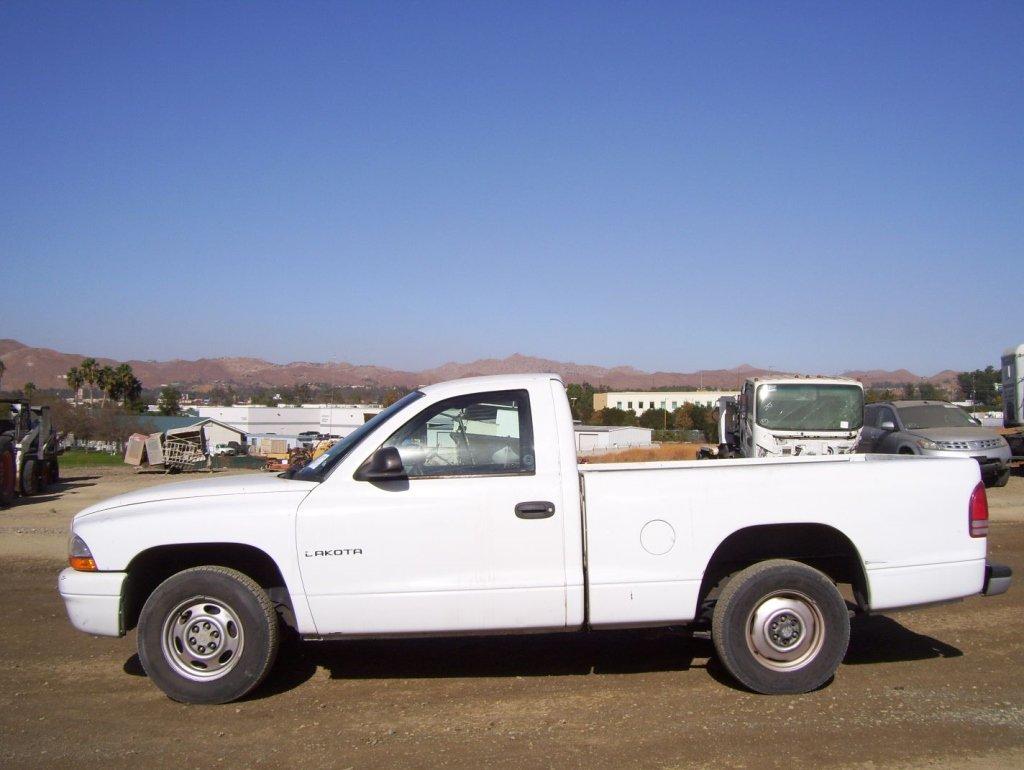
x: 810, y: 186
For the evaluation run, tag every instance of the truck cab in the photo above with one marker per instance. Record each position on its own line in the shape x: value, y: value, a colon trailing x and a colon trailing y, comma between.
x: 791, y: 417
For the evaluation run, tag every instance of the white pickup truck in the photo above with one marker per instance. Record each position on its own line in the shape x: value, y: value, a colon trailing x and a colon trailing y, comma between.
x: 461, y: 509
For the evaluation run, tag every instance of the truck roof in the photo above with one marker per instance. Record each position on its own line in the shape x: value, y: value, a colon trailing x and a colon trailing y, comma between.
x: 806, y: 379
x: 490, y: 382
x: 911, y: 402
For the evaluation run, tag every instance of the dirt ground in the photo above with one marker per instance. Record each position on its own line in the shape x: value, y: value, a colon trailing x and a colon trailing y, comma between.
x: 939, y: 687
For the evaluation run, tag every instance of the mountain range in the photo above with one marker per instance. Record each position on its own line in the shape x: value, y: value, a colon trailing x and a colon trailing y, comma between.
x: 46, y: 369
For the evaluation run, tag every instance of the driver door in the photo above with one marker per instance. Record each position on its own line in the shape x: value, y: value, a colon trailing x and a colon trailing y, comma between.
x: 452, y: 547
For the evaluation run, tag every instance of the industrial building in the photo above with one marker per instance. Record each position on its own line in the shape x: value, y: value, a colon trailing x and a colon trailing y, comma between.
x: 639, y: 402
x: 291, y: 420
x: 597, y: 438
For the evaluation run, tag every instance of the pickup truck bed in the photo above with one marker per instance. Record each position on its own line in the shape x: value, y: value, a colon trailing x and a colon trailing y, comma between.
x: 652, y: 528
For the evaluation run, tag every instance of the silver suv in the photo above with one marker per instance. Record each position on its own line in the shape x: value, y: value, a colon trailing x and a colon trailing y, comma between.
x: 934, y: 429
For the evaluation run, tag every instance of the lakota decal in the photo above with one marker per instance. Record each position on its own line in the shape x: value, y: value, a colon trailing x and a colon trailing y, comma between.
x: 336, y: 552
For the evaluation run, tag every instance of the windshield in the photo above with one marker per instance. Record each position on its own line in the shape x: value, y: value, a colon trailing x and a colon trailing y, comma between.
x: 934, y: 416
x: 810, y: 407
x: 318, y: 468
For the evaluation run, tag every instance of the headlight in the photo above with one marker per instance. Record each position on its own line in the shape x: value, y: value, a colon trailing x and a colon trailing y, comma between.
x: 79, y: 555
x: 923, y: 443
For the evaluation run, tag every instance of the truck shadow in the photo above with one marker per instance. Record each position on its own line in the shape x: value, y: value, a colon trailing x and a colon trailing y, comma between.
x: 880, y: 639
x: 876, y: 639
x: 56, y: 490
x: 605, y: 652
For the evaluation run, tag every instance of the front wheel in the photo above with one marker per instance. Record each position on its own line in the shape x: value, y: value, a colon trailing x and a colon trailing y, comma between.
x: 781, y: 627
x: 31, y: 482
x: 208, y: 635
x: 8, y: 475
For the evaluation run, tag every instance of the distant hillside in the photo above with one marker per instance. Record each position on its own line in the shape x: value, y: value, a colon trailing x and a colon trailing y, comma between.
x: 46, y: 368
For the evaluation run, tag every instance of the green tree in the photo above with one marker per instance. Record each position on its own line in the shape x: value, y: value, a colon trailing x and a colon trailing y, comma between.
x: 169, y: 402
x: 615, y: 416
x: 107, y: 383
x: 29, y: 389
x: 931, y: 392
x: 874, y: 395
x: 682, y: 418
x: 74, y: 378
x: 89, y: 369
x: 3, y: 368
x: 223, y: 396
x: 655, y: 418
x: 128, y: 387
x: 981, y: 386
x: 581, y: 399
x: 697, y: 417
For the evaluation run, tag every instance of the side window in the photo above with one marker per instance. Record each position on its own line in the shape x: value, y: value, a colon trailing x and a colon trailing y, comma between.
x: 870, y: 416
x: 479, y: 434
x: 885, y: 414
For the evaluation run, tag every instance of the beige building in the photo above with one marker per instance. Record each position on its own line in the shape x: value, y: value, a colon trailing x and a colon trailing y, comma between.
x: 639, y: 402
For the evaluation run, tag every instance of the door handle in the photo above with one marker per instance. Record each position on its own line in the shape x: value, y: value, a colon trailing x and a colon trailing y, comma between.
x: 536, y: 509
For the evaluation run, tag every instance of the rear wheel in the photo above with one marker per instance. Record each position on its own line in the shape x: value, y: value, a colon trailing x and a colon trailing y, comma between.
x: 31, y: 484
x: 781, y: 627
x: 7, y: 474
x: 208, y: 635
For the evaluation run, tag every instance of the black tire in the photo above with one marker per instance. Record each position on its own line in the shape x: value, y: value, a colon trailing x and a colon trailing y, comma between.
x: 53, y: 475
x: 8, y: 481
x: 186, y: 602
x: 30, y: 481
x: 1002, y: 478
x: 812, y: 627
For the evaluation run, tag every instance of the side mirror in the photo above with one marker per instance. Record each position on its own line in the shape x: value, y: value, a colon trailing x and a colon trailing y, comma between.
x: 383, y: 465
x: 888, y: 425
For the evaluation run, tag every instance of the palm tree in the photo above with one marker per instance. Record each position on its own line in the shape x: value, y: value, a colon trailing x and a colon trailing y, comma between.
x: 108, y: 383
x: 29, y: 389
x: 89, y: 370
x: 74, y: 378
x: 128, y: 386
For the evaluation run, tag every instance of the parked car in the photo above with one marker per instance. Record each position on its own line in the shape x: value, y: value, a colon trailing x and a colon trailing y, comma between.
x: 934, y: 429
x: 224, y: 449
x: 461, y: 509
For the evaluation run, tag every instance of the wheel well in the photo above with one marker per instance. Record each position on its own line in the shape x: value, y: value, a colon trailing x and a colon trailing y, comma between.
x: 816, y: 545
x: 905, y: 450
x: 153, y: 566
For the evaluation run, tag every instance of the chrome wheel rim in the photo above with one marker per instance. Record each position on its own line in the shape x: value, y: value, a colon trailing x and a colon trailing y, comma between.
x: 785, y: 630
x: 202, y: 639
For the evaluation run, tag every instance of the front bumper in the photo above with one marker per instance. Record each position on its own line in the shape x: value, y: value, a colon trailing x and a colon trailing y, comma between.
x: 992, y: 462
x: 93, y: 600
x: 997, y: 579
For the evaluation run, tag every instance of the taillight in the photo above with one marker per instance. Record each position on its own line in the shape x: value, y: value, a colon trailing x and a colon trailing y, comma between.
x: 977, y: 518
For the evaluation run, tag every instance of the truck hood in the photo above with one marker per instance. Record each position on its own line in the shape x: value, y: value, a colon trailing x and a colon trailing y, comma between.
x: 954, y: 434
x: 211, y: 487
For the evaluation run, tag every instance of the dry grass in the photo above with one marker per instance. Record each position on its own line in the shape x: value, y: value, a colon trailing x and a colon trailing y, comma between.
x: 673, y: 451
